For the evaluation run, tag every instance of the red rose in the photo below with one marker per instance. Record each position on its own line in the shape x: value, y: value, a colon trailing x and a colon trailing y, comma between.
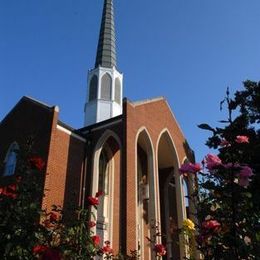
x: 37, y: 162
x: 51, y: 254
x: 159, y: 249
x: 53, y: 217
x: 46, y: 223
x: 99, y: 193
x: 91, y: 224
x: 211, y: 225
x: 96, y: 240
x: 107, y: 250
x: 9, y: 191
x: 39, y: 249
x: 93, y: 201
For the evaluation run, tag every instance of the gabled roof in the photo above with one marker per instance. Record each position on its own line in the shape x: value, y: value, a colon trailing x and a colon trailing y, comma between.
x: 26, y: 99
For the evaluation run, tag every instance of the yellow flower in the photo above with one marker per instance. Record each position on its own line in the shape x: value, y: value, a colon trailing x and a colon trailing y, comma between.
x: 188, y: 224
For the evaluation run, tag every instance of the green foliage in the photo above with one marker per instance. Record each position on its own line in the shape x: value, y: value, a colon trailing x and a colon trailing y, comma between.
x: 222, y: 196
x: 27, y: 231
x: 20, y: 211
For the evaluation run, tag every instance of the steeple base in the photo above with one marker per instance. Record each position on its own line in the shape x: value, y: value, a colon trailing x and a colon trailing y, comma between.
x: 104, y: 99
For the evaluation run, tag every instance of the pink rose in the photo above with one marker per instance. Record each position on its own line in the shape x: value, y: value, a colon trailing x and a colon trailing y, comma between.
x: 211, y: 225
x: 213, y: 161
x: 246, y: 172
x: 244, y: 175
x: 242, y: 139
x: 243, y: 181
x: 190, y: 168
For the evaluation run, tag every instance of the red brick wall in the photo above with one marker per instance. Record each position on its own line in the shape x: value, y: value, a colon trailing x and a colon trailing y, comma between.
x: 64, y: 172
x: 27, y: 119
x: 154, y: 116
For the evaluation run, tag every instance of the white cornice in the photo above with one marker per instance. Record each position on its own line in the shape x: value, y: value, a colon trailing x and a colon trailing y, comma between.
x: 61, y: 128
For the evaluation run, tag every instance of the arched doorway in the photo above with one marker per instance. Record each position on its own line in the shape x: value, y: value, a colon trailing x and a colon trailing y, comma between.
x: 106, y: 178
x: 104, y: 211
x: 145, y: 193
x: 167, y: 166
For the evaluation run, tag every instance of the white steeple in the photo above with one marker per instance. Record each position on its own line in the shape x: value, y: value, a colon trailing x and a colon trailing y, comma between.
x: 104, y: 92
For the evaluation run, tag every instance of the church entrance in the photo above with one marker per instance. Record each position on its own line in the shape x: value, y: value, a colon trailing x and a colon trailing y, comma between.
x: 106, y: 178
x: 168, y: 200
x: 145, y: 195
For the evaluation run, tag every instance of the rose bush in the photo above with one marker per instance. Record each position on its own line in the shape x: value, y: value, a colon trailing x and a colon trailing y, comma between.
x: 227, y: 195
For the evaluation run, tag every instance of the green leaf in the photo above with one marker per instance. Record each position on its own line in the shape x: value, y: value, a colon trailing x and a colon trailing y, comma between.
x: 248, y: 194
x: 206, y: 127
x: 223, y: 121
x: 257, y: 236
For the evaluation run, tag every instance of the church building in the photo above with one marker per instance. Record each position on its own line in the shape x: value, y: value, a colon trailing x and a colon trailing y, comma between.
x: 130, y: 150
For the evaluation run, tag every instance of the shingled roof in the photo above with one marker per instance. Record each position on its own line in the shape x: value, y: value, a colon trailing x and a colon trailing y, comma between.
x: 106, y: 50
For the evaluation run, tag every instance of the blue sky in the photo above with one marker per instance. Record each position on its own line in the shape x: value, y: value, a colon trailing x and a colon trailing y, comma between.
x: 186, y: 50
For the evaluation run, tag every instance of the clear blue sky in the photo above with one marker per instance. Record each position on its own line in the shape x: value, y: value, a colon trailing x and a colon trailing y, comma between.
x: 186, y: 50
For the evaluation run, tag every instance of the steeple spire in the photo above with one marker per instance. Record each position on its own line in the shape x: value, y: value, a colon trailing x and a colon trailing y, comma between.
x: 105, y: 83
x: 106, y: 50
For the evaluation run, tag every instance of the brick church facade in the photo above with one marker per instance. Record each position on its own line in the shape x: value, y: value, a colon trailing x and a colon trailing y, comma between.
x: 129, y: 150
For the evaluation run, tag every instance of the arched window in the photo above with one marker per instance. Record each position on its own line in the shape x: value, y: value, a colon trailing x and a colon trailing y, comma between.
x: 106, y: 87
x: 11, y: 159
x: 117, y: 91
x: 104, y: 208
x: 145, y: 192
x: 93, y: 88
x: 167, y: 168
x: 103, y: 180
x: 186, y: 195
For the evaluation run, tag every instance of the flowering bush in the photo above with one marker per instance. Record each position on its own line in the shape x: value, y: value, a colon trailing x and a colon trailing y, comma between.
x: 228, y: 200
x: 28, y: 232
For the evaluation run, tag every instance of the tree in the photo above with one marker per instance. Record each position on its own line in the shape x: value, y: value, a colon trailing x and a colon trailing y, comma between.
x: 229, y: 197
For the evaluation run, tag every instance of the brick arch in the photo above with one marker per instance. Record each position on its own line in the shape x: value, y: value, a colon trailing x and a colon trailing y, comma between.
x: 111, y: 144
x: 170, y: 192
x: 145, y: 190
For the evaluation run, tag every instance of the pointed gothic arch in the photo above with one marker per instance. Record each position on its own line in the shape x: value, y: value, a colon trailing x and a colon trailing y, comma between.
x: 106, y: 177
x: 145, y: 199
x: 170, y: 190
x: 93, y: 88
x: 11, y: 159
x: 106, y: 87
x: 186, y: 186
